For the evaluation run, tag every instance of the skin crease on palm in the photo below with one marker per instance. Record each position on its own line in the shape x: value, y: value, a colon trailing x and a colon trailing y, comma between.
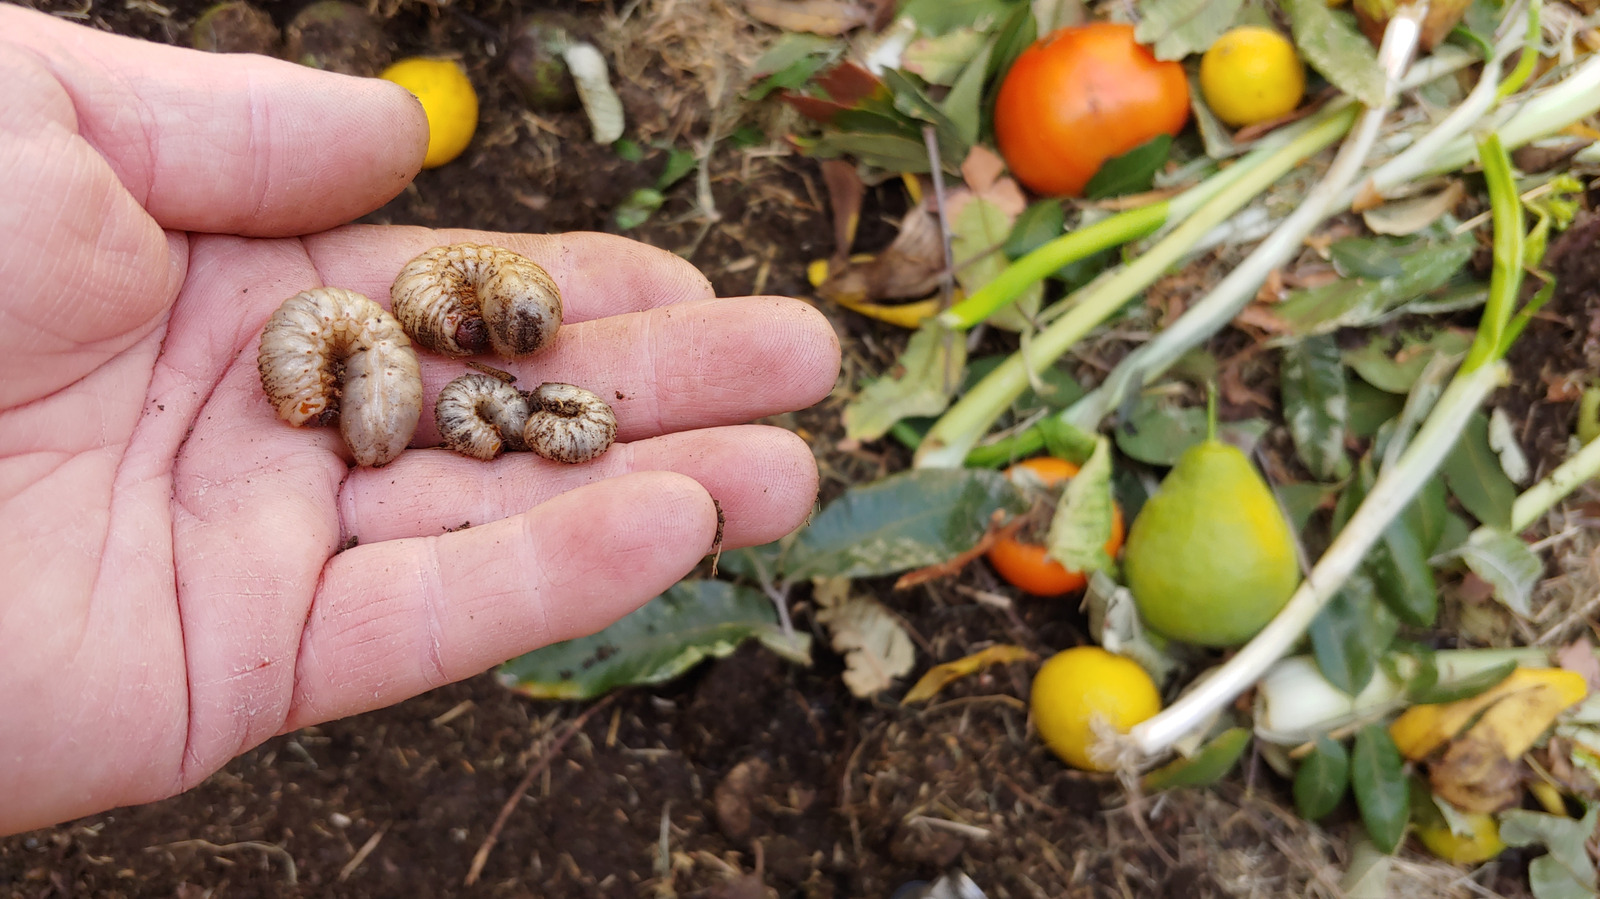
x: 174, y: 594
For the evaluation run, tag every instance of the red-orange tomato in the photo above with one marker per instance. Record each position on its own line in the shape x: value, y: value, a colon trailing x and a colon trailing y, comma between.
x: 1025, y: 565
x: 1079, y: 97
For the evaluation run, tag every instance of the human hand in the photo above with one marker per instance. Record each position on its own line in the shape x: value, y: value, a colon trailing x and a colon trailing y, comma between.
x: 175, y: 591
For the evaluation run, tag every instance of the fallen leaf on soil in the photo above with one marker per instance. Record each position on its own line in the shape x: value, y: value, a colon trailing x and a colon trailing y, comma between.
x: 876, y: 648
x: 828, y: 17
x: 1510, y: 715
x: 1411, y: 215
x: 909, y: 269
x: 941, y: 676
x: 845, y: 192
x: 736, y: 794
x: 1475, y: 776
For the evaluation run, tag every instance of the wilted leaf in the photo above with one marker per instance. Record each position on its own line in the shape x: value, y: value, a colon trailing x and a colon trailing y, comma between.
x: 1115, y: 624
x: 1351, y: 633
x: 1316, y: 405
x: 1473, y: 473
x: 875, y: 647
x: 1566, y: 872
x: 1507, y: 564
x: 939, y: 59
x: 904, y: 521
x: 1368, y: 874
x: 1517, y: 710
x: 1322, y: 779
x: 1205, y: 767
x: 1393, y: 363
x: 941, y: 676
x: 1381, y: 276
x: 816, y: 16
x: 1578, y: 656
x: 1376, y: 773
x: 1404, y: 217
x: 1503, y: 440
x: 920, y: 383
x: 1330, y: 44
x: 665, y: 637
x: 909, y: 268
x: 1177, y: 28
x: 1081, y: 525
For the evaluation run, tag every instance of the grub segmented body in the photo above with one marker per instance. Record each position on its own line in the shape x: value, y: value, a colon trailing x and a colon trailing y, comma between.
x: 569, y: 424
x: 330, y: 353
x: 467, y: 298
x: 480, y: 415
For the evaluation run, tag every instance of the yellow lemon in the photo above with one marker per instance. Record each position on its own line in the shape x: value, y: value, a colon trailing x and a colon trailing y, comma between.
x: 1252, y: 74
x: 1482, y: 845
x: 1075, y: 687
x: 447, y: 98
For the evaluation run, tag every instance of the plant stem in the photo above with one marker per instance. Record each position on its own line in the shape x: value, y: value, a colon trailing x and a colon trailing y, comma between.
x: 1505, y: 279
x: 959, y: 429
x: 1393, y: 489
x: 1568, y: 476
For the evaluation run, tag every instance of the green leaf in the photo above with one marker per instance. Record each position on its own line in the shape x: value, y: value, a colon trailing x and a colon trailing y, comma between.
x: 920, y: 383
x: 1430, y: 693
x: 1382, y: 274
x: 1566, y: 872
x: 1331, y: 44
x: 1322, y: 779
x: 911, y: 100
x: 1206, y: 767
x: 1510, y: 566
x: 1473, y: 473
x: 1400, y: 573
x: 1316, y: 405
x: 1351, y: 633
x: 638, y: 207
x: 1131, y: 172
x: 679, y: 163
x: 1427, y: 515
x: 908, y: 520
x: 757, y: 564
x: 1039, y: 224
x: 1174, y: 29
x: 1081, y: 525
x: 1370, y: 407
x: 889, y: 152
x: 1301, y: 501
x: 1155, y: 432
x: 939, y: 16
x: 964, y: 103
x: 1393, y: 363
x: 1376, y: 773
x: 1064, y: 440
x: 662, y: 639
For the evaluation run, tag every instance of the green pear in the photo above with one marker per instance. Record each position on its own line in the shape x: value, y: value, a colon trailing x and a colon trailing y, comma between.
x: 1211, y: 559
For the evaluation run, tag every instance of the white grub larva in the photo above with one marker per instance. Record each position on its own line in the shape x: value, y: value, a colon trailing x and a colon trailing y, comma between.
x: 332, y: 353
x: 479, y: 415
x: 569, y: 424
x: 466, y: 298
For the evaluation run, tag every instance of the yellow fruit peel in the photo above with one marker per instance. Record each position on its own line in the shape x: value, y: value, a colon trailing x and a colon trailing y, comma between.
x: 1482, y: 844
x: 940, y: 676
x: 1510, y: 715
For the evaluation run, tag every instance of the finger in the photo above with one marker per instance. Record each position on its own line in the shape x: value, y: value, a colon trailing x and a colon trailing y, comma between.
x: 236, y: 143
x: 694, y: 365
x: 599, y: 274
x: 395, y: 619
x: 764, y: 478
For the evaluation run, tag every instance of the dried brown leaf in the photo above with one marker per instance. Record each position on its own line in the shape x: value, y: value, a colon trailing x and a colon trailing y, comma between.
x: 829, y: 17
x: 1579, y: 656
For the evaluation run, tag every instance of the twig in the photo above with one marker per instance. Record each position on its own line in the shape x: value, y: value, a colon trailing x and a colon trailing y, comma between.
x: 362, y: 853
x: 481, y: 857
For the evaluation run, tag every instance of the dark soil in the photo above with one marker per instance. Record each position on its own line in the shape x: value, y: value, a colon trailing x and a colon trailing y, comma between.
x: 748, y: 778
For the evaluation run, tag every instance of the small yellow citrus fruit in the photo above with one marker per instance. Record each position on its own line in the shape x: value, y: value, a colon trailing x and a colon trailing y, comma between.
x: 1484, y: 844
x: 447, y: 98
x: 1252, y: 74
x: 1075, y: 687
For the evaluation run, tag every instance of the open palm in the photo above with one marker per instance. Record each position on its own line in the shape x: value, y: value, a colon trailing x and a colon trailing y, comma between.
x: 184, y: 575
